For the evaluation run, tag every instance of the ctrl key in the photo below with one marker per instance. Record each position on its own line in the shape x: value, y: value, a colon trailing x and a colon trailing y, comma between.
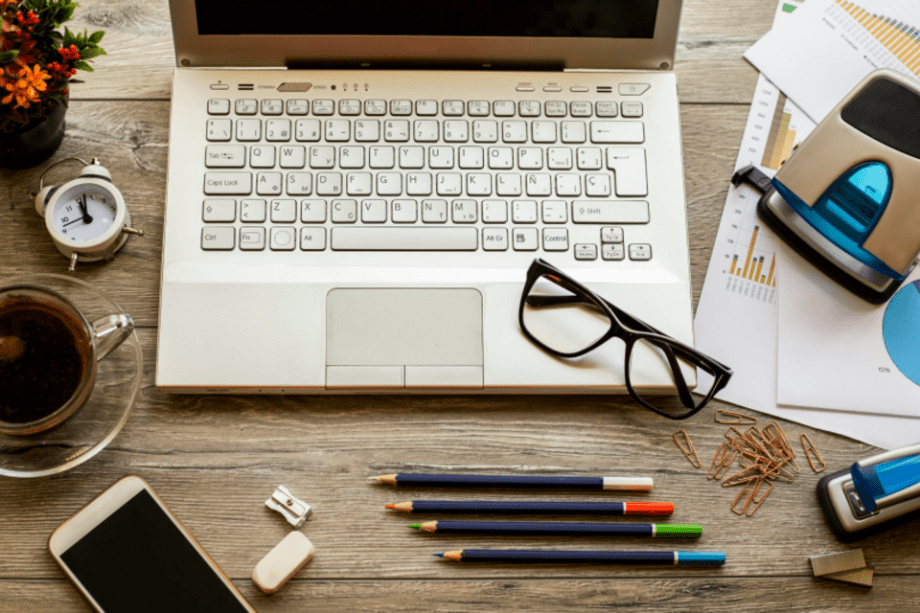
x: 282, y: 562
x: 219, y: 238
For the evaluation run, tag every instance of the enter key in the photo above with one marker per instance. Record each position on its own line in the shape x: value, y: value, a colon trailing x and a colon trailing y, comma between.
x: 628, y: 165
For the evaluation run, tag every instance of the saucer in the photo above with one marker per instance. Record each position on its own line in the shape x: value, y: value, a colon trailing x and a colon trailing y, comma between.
x: 90, y: 429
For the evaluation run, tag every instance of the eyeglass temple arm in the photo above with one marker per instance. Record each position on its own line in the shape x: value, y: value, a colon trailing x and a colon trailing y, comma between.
x: 635, y: 322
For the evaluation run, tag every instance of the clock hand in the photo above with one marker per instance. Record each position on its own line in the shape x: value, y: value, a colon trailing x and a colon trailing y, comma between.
x: 70, y: 223
x: 87, y: 218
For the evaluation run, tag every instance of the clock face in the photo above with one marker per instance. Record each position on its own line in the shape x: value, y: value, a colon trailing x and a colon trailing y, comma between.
x: 84, y: 212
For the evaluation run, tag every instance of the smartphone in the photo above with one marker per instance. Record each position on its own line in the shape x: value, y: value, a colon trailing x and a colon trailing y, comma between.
x: 126, y: 551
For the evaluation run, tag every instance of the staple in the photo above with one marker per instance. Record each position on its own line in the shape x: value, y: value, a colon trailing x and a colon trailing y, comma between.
x: 689, y: 451
x: 811, y: 452
x: 730, y: 417
x: 757, y: 501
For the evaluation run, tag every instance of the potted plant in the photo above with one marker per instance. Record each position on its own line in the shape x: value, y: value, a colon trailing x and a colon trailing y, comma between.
x: 36, y: 65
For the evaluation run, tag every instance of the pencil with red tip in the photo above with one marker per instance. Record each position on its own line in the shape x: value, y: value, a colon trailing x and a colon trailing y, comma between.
x: 634, y: 484
x: 550, y: 507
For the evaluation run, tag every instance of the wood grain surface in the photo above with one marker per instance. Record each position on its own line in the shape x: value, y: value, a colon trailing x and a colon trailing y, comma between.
x: 215, y: 459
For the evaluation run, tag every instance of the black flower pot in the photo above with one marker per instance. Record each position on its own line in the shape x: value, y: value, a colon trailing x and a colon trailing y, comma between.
x: 35, y: 142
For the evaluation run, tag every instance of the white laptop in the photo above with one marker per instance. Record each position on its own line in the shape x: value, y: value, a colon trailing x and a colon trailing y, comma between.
x: 357, y: 188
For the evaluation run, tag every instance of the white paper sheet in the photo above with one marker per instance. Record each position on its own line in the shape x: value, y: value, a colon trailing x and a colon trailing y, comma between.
x: 837, y: 351
x: 828, y: 46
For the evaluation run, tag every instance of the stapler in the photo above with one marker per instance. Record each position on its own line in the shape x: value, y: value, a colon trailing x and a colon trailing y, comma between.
x: 873, y: 495
x: 848, y: 198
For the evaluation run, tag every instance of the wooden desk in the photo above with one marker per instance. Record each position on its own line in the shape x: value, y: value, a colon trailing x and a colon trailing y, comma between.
x: 215, y: 459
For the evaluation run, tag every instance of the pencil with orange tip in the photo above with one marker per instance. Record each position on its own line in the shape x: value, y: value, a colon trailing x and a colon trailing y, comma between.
x: 635, y: 484
x: 557, y: 507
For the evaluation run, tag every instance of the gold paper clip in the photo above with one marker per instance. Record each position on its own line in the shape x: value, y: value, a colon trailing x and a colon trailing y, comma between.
x: 747, y: 475
x: 755, y: 500
x: 811, y: 452
x: 745, y: 495
x: 723, y: 459
x: 688, y: 451
x: 730, y: 417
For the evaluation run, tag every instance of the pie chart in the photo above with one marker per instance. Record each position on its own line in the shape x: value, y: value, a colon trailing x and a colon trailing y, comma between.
x: 901, y: 330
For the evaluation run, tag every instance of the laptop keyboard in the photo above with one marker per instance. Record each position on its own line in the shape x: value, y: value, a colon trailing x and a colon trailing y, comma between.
x: 423, y: 175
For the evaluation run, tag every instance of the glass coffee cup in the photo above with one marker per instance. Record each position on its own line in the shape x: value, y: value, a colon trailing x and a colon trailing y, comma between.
x: 49, y: 354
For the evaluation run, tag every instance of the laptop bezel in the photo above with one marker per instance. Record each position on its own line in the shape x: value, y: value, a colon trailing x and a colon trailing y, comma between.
x: 305, y: 51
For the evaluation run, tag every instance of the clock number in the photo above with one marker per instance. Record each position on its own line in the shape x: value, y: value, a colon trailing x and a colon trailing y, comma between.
x: 69, y: 208
x: 65, y: 219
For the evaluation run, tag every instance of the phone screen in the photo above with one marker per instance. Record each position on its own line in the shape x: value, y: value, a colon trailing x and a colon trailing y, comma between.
x: 138, y: 560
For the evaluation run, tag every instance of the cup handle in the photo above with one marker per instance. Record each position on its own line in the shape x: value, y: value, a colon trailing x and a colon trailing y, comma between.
x: 110, y: 331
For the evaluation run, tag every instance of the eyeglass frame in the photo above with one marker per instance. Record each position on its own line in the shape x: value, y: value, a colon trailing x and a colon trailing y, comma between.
x: 629, y: 334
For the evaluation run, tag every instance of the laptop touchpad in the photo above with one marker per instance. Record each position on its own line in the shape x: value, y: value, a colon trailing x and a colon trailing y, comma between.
x: 393, y: 338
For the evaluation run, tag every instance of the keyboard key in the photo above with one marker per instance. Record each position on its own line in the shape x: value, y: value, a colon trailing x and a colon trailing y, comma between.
x: 555, y: 108
x: 297, y: 107
x: 580, y: 109
x: 529, y: 108
x: 426, y: 107
x: 312, y: 239
x: 337, y: 130
x: 543, y: 131
x: 452, y: 108
x: 221, y: 238
x: 555, y: 211
x: 401, y: 107
x: 456, y: 131
x: 606, y: 108
x: 559, y: 158
x: 246, y: 106
x: 396, y: 130
x: 610, y: 211
x: 328, y: 184
x: 268, y: 183
x: 262, y: 156
x: 349, y: 107
x: 628, y: 165
x: 272, y: 107
x: 640, y: 251
x: 359, y: 184
x: 374, y: 210
x: 389, y: 183
x: 227, y: 183
x: 597, y: 184
x: 219, y: 107
x: 344, y: 211
x: 404, y: 211
x: 472, y: 158
x: 306, y: 130
x: 219, y: 130
x: 617, y: 132
x: 494, y: 211
x: 219, y: 211
x: 382, y: 157
x: 283, y: 238
x: 441, y: 157
x: 418, y: 184
x: 284, y: 211
x: 524, y: 211
x: 225, y: 156
x: 585, y: 251
x: 299, y: 183
x: 525, y: 239
x: 495, y: 239
x: 503, y: 108
x: 293, y: 157
x: 253, y: 211
x: 351, y: 157
x: 611, y: 235
x: 530, y: 158
x: 252, y: 238
x: 568, y: 184
x: 501, y: 158
x: 539, y: 184
x: 367, y: 131
x: 514, y: 131
x: 434, y: 211
x: 478, y: 184
x: 375, y: 107
x: 555, y: 239
x: 417, y: 238
x: 463, y: 211
x: 485, y: 131
x: 589, y: 158
x: 312, y: 211
x: 425, y: 131
x: 248, y: 129
x: 478, y: 108
x: 322, y: 156
x: 613, y: 252
x: 508, y: 184
x: 323, y: 107
x: 574, y: 132
x: 412, y: 157
x: 449, y: 184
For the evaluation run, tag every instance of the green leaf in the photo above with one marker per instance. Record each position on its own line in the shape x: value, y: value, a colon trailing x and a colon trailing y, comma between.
x: 97, y: 36
x: 8, y: 56
x: 81, y: 65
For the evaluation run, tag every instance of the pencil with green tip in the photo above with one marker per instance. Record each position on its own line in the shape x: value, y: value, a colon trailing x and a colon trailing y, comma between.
x: 679, y: 558
x: 673, y: 531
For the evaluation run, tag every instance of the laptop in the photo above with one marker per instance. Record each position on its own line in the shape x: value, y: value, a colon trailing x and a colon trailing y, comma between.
x: 356, y: 190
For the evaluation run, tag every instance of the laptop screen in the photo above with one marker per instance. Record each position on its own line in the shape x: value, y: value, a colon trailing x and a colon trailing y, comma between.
x: 631, y: 19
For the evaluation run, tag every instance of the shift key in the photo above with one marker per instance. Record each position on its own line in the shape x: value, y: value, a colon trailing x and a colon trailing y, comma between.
x: 228, y: 183
x: 610, y: 211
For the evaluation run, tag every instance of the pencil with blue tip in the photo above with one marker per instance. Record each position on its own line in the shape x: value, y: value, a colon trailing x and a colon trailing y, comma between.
x: 561, y: 507
x: 673, y: 531
x: 633, y: 484
x: 679, y: 558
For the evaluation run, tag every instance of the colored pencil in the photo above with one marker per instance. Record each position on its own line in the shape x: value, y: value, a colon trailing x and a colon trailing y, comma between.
x: 560, y: 507
x: 674, y: 531
x: 635, y: 484
x: 680, y: 558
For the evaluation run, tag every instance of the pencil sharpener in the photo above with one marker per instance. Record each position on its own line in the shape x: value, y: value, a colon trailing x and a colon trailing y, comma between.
x: 848, y: 198
x: 873, y: 495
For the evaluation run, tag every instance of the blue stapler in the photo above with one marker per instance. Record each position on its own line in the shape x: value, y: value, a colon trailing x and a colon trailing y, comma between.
x: 874, y: 494
x: 848, y: 198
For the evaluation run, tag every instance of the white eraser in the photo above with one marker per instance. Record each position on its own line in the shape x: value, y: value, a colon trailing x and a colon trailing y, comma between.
x: 282, y: 562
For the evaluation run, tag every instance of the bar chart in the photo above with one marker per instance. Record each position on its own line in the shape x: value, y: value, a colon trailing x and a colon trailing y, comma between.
x: 900, y: 39
x: 754, y: 264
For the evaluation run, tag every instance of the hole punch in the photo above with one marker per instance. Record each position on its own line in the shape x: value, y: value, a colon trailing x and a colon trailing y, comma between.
x: 811, y: 452
x: 689, y: 451
x: 730, y: 417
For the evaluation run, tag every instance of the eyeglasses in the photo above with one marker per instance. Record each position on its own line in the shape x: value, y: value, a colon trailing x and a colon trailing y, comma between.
x: 566, y: 319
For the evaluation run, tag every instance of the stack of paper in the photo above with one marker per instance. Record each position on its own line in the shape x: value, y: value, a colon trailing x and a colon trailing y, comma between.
x: 802, y: 348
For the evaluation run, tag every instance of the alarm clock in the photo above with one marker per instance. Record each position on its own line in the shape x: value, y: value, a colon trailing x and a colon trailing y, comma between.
x: 86, y: 217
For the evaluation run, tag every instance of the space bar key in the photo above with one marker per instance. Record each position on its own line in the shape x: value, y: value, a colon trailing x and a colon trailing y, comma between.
x: 355, y: 238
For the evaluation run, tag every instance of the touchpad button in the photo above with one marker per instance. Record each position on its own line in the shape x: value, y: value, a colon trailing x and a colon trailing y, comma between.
x: 404, y: 327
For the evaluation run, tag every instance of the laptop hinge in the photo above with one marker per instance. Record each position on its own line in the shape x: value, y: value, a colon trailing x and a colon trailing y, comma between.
x: 422, y: 65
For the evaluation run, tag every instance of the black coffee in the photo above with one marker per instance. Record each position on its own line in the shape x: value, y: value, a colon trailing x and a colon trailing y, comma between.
x: 49, y: 364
